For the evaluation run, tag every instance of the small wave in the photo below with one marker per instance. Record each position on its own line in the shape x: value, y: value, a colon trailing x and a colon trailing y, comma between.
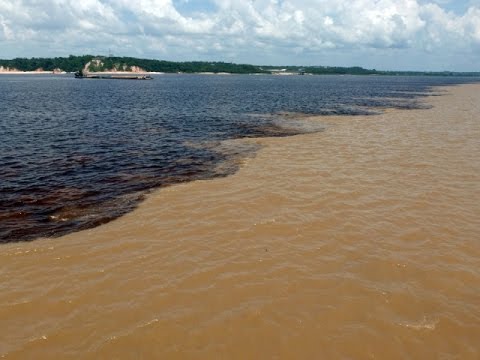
x: 424, y: 324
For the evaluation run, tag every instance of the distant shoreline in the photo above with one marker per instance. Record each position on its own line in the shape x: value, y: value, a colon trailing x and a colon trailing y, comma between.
x: 129, y: 65
x: 112, y: 73
x: 133, y: 73
x: 68, y: 73
x: 34, y: 73
x: 31, y: 73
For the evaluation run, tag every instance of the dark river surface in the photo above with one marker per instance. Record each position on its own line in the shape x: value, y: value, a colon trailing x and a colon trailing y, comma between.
x: 78, y: 153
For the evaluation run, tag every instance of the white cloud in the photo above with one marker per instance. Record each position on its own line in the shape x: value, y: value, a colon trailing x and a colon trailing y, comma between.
x: 265, y: 29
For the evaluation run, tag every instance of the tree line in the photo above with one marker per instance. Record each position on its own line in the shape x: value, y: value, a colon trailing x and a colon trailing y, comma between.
x: 74, y: 63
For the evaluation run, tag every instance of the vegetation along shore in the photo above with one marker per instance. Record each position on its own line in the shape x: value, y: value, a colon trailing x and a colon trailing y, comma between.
x: 93, y: 63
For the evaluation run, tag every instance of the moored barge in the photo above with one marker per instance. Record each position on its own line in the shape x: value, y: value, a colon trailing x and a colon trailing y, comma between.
x: 85, y: 75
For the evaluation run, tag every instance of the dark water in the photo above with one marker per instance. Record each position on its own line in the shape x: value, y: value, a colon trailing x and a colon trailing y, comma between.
x: 78, y: 153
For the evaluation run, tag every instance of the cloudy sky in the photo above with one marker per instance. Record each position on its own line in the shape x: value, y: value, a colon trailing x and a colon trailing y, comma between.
x: 381, y: 34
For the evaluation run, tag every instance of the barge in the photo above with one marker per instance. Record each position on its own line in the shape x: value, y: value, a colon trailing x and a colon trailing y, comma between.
x: 85, y: 75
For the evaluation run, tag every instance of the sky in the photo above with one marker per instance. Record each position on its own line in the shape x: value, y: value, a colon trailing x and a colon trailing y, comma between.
x: 420, y: 35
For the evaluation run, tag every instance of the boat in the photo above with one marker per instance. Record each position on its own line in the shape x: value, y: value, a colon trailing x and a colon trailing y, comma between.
x: 84, y: 75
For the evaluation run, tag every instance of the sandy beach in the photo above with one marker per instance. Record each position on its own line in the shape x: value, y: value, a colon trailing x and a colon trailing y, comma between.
x: 30, y: 73
x: 360, y: 241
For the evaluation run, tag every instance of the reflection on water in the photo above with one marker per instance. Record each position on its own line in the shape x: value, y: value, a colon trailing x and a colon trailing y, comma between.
x: 358, y: 242
x: 76, y: 154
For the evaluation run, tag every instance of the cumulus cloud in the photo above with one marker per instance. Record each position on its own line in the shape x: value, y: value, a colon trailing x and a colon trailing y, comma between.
x: 257, y: 31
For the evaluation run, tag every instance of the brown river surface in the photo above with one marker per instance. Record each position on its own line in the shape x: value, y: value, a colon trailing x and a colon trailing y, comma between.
x: 358, y: 242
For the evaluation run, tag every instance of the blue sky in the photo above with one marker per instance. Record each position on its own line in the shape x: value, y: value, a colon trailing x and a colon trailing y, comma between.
x: 190, y: 7
x: 459, y: 7
x: 381, y: 34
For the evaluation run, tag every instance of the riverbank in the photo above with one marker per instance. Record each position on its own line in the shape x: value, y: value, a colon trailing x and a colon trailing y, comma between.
x: 63, y: 73
x: 359, y: 241
x: 31, y: 73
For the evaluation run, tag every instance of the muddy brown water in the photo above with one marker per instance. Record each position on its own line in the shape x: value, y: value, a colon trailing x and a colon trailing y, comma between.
x: 360, y: 242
